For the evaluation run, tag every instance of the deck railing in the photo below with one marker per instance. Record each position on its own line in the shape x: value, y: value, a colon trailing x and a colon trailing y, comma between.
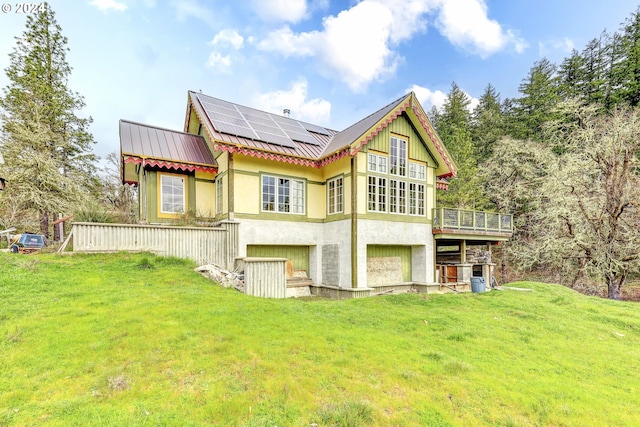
x: 469, y: 220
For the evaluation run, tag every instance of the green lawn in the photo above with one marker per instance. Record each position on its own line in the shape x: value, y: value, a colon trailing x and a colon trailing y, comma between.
x: 136, y: 340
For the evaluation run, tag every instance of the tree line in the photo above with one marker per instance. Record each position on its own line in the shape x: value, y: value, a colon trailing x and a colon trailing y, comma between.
x: 562, y: 158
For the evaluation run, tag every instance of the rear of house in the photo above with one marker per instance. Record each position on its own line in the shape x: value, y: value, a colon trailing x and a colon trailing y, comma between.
x: 353, y: 211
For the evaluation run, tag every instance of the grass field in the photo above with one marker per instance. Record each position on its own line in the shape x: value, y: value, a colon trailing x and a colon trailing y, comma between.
x: 136, y: 340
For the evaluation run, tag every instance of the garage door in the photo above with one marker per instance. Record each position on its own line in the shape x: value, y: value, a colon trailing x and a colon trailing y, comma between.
x: 389, y: 252
x: 299, y: 255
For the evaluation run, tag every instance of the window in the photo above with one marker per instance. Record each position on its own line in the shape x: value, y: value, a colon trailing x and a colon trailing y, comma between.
x: 172, y: 194
x: 377, y: 194
x: 377, y: 163
x: 397, y: 195
x: 219, y: 196
x: 416, y: 199
x: 335, y: 195
x: 282, y: 195
x: 398, y: 157
x: 417, y: 171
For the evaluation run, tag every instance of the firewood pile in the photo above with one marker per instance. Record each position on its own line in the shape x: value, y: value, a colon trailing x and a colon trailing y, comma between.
x: 478, y: 256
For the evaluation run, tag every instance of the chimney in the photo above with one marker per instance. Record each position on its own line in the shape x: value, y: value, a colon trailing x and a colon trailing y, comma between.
x: 286, y: 112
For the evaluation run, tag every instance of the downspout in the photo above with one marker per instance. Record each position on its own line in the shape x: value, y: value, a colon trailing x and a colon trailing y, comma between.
x: 230, y: 188
x: 144, y: 193
x: 354, y: 221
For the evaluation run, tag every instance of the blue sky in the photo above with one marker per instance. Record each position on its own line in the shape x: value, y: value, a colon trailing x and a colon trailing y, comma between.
x: 330, y: 62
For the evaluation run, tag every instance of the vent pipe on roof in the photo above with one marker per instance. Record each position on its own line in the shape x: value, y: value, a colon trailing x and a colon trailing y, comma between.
x: 286, y: 112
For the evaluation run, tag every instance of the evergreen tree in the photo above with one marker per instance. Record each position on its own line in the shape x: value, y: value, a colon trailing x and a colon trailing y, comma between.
x: 487, y: 124
x: 46, y: 145
x: 630, y: 74
x: 539, y: 96
x: 571, y: 75
x: 453, y: 126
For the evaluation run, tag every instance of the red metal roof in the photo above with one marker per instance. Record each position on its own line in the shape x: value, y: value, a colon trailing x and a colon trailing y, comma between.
x: 163, y: 147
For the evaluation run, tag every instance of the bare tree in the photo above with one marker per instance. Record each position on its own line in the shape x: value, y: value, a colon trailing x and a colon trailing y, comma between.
x: 593, y: 193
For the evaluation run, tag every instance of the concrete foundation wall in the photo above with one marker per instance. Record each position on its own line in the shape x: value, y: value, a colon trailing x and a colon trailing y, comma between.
x: 314, y: 235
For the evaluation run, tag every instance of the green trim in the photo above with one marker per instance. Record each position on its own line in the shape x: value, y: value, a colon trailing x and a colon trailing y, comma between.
x: 381, y: 216
x: 268, y: 216
x: 244, y: 172
x: 354, y: 222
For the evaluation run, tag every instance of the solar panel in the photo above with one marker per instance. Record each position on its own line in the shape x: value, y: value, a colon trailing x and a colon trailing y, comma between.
x: 302, y: 137
x: 255, y: 124
x: 282, y: 140
x: 234, y: 130
x: 316, y: 129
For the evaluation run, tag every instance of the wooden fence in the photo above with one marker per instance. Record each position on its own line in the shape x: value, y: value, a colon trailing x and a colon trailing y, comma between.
x: 204, y: 245
x: 265, y: 277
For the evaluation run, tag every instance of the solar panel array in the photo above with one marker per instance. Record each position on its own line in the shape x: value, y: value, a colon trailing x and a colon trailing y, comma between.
x: 258, y: 125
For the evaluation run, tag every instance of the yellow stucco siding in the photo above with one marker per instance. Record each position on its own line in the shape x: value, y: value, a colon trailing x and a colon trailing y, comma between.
x: 223, y: 161
x: 258, y: 165
x: 339, y: 167
x: 247, y: 193
x: 205, y: 199
x: 205, y: 176
x: 316, y: 200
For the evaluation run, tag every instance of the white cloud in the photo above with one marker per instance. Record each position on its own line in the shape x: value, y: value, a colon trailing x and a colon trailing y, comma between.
x: 466, y: 24
x: 228, y: 37
x: 437, y: 98
x: 224, y: 42
x: 564, y: 46
x: 106, y: 5
x: 285, y: 42
x: 359, y: 45
x: 429, y: 98
x: 353, y: 45
x: 315, y: 110
x: 281, y: 10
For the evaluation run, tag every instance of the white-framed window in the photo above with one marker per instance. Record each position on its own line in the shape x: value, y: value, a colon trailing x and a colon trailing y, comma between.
x: 335, y: 195
x: 377, y: 163
x: 416, y: 199
x: 397, y: 196
x: 173, y: 195
x: 393, y: 194
x: 398, y: 156
x: 377, y: 194
x: 282, y: 195
x: 417, y: 171
x: 219, y: 196
x: 373, y: 163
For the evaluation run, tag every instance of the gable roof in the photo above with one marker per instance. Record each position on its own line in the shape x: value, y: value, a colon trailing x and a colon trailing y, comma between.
x: 236, y: 128
x: 165, y: 148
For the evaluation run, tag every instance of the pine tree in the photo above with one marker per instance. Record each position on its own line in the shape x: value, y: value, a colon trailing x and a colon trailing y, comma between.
x: 631, y: 68
x: 453, y: 126
x: 46, y: 145
x: 539, y: 96
x: 487, y: 124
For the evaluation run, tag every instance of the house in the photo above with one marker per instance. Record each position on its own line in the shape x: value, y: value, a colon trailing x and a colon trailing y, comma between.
x: 353, y: 210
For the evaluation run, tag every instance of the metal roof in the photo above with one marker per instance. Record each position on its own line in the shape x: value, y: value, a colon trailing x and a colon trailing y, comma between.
x: 328, y: 141
x: 354, y: 132
x: 247, y: 127
x: 158, y: 144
